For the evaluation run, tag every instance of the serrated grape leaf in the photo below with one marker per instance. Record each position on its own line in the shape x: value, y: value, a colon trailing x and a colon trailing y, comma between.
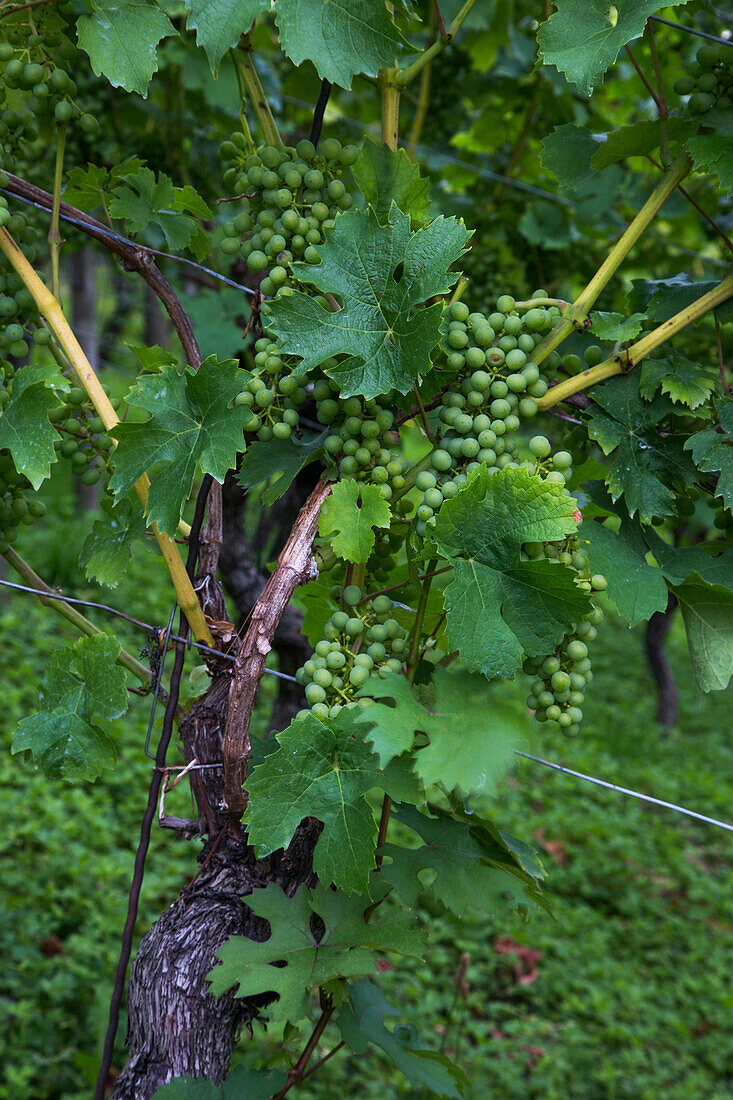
x: 381, y: 274
x: 362, y: 1022
x: 567, y: 153
x: 219, y: 24
x: 660, y: 299
x: 385, y: 176
x: 499, y: 608
x: 121, y: 38
x: 190, y: 424
x: 473, y: 870
x: 647, y: 466
x: 471, y: 738
x: 280, y: 460
x: 583, y: 37
x: 712, y: 451
x: 345, y: 949
x: 107, y: 548
x: 254, y: 1084
x: 323, y: 769
x: 707, y: 612
x: 614, y: 327
x: 677, y: 563
x: 641, y: 138
x: 348, y: 517
x: 340, y: 37
x: 25, y: 429
x: 713, y: 152
x: 81, y: 684
x: 685, y: 382
x: 637, y: 589
x: 142, y: 200
x: 86, y: 187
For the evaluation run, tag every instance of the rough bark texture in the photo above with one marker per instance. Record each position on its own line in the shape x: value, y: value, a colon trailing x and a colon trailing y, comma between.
x: 656, y: 632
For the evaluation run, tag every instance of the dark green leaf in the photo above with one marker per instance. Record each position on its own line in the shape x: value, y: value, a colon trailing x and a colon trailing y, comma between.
x: 381, y: 274
x: 121, y: 38
x: 641, y: 138
x: 686, y: 382
x: 279, y: 459
x: 501, y: 609
x: 341, y: 39
x: 142, y: 201
x: 25, y: 429
x: 219, y: 24
x: 190, y: 423
x: 108, y: 547
x: 637, y: 589
x: 218, y: 318
x: 567, y: 153
x: 254, y: 1084
x: 713, y: 451
x: 81, y: 685
x: 362, y: 1023
x: 614, y: 327
x: 386, y: 176
x: 345, y: 949
x: 707, y: 611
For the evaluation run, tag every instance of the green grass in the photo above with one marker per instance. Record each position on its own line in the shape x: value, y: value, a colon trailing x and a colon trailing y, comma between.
x: 631, y: 997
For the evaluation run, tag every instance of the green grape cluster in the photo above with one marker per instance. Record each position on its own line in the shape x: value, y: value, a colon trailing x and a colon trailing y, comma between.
x: 496, y: 387
x: 83, y: 440
x: 360, y: 641
x: 274, y: 393
x: 18, y: 312
x: 710, y: 80
x: 18, y: 506
x: 573, y: 364
x: 363, y: 434
x: 558, y: 692
x: 383, y: 558
x: 290, y: 196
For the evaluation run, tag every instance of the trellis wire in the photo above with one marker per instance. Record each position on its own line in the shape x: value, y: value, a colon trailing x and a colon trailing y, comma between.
x: 692, y: 30
x: 626, y: 790
x: 136, y: 622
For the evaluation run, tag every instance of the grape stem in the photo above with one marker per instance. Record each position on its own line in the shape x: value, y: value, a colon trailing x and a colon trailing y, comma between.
x: 575, y: 315
x: 51, y: 311
x: 246, y: 70
x: 621, y: 364
x: 406, y: 76
x: 54, y: 237
x: 82, y: 624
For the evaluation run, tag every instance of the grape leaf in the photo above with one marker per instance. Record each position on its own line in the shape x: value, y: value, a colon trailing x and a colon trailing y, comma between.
x: 362, y: 1022
x: 107, y: 549
x: 87, y: 187
x: 685, y: 382
x: 712, y: 153
x: 583, y: 37
x: 25, y: 429
x: 341, y: 37
x: 190, y: 423
x: 255, y: 1084
x: 677, y: 563
x: 660, y: 299
x: 385, y: 176
x: 707, y: 612
x: 279, y: 459
x: 646, y: 466
x: 615, y: 327
x: 219, y: 24
x: 713, y: 451
x: 474, y: 868
x: 641, y: 138
x: 323, y: 769
x: 81, y: 684
x: 345, y: 949
x: 567, y: 153
x: 348, y: 517
x: 121, y: 38
x: 382, y: 274
x: 637, y: 589
x: 471, y: 738
x: 142, y: 201
x: 499, y: 608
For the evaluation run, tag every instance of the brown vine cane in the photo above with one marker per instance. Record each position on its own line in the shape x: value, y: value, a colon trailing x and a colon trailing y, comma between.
x: 295, y: 566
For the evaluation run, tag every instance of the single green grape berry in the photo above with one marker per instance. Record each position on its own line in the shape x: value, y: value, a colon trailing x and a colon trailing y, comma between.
x: 593, y: 355
x: 257, y: 261
x: 562, y: 460
x: 63, y: 111
x: 504, y: 304
x: 425, y: 480
x: 576, y: 650
x: 539, y: 446
x: 598, y: 583
x: 459, y: 311
x: 352, y: 594
x: 314, y: 694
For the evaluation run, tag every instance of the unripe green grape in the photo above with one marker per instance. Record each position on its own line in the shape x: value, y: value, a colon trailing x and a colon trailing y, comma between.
x: 459, y: 311
x: 700, y: 102
x: 63, y: 111
x: 441, y: 460
x: 598, y: 583
x: 314, y: 694
x: 349, y: 155
x: 351, y: 595
x: 562, y: 460
x: 593, y: 355
x: 358, y: 676
x: 504, y: 304
x: 537, y: 389
x: 257, y: 261
x: 684, y: 85
x: 425, y: 480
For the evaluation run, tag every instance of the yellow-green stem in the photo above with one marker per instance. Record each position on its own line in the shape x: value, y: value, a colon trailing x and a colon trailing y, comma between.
x: 576, y: 314
x: 421, y: 112
x: 409, y: 74
x: 642, y: 348
x: 54, y: 236
x: 459, y: 289
x: 51, y: 311
x: 390, y: 107
x: 73, y: 616
x: 257, y: 97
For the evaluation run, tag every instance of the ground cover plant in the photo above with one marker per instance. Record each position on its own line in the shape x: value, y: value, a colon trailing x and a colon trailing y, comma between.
x: 419, y: 496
